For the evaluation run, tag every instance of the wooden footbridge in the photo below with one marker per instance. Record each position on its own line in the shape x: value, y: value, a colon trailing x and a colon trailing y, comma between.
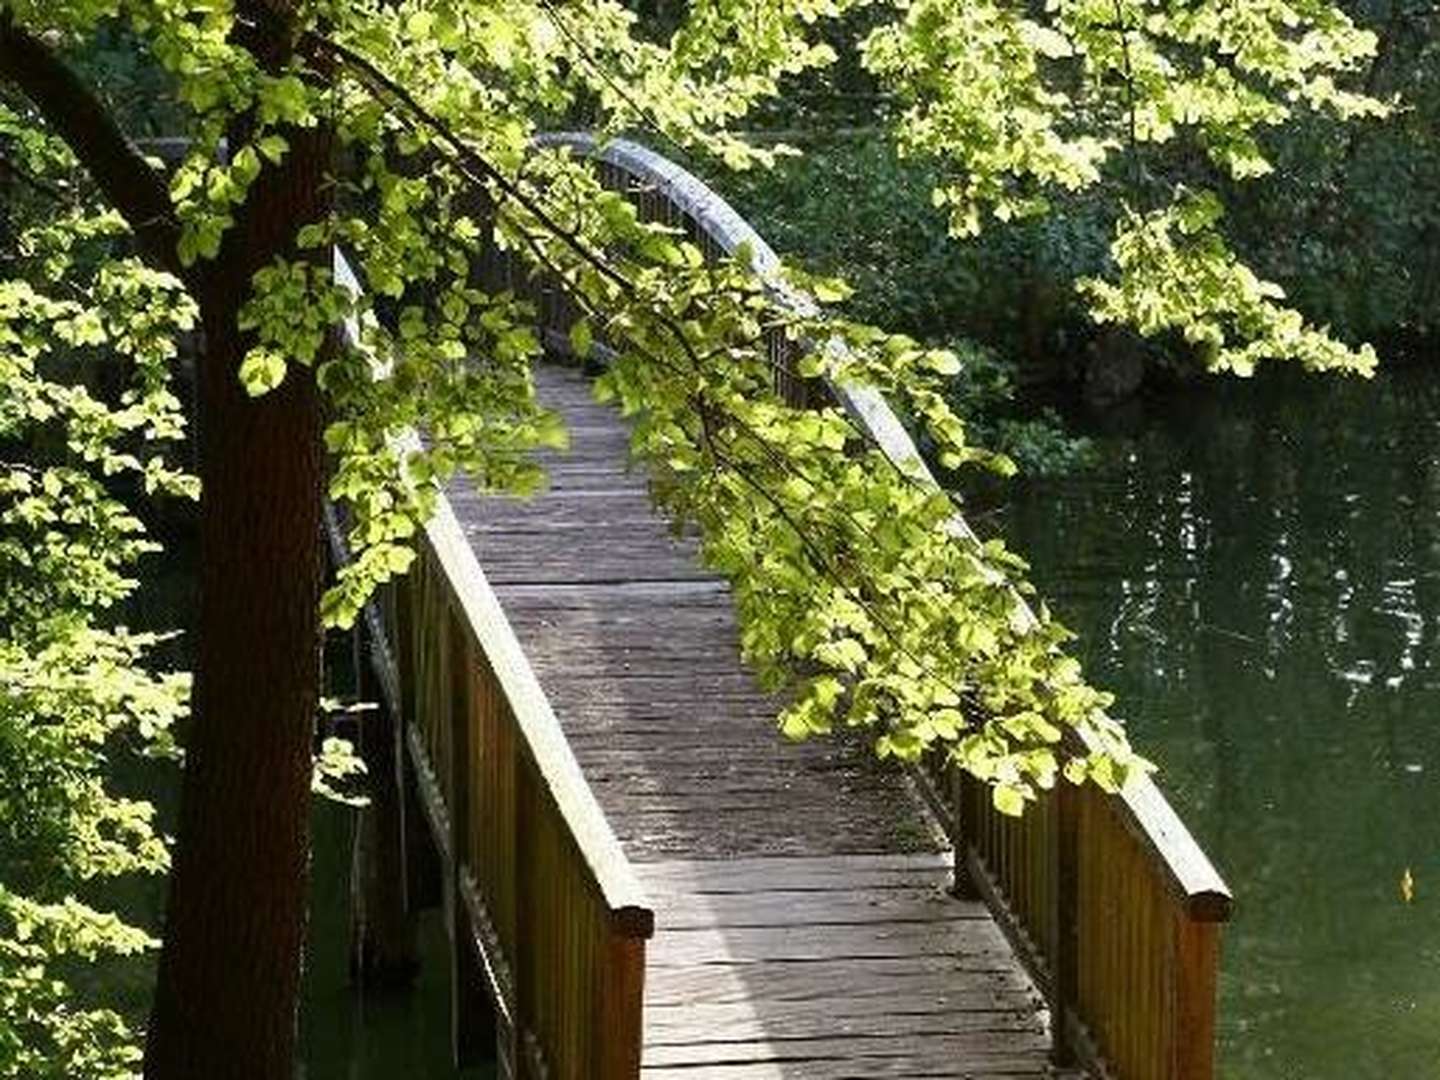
x: 641, y: 878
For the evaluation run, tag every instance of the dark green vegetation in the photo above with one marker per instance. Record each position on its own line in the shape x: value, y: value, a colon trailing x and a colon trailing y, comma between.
x: 1257, y: 574
x: 1003, y: 303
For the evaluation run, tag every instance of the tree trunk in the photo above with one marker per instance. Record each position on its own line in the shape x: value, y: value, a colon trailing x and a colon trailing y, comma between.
x: 229, y: 979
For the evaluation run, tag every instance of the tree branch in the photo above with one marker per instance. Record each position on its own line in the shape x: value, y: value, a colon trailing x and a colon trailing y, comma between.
x: 74, y: 112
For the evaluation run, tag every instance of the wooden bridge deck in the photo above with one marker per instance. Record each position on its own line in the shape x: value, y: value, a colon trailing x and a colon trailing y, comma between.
x: 802, y: 923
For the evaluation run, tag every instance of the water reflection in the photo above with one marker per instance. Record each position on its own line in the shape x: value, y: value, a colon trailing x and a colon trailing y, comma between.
x: 1255, y: 570
x: 345, y: 1034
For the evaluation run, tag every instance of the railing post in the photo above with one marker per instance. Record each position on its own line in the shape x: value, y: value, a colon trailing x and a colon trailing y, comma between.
x: 962, y: 881
x: 1197, y: 958
x: 1065, y: 964
x: 421, y: 864
x: 472, y: 1016
x: 620, y: 1025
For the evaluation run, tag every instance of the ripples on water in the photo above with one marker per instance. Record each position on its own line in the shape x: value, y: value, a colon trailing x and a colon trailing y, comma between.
x: 1255, y: 571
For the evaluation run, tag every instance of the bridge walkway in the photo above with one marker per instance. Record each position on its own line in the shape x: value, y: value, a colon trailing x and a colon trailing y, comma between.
x: 802, y: 922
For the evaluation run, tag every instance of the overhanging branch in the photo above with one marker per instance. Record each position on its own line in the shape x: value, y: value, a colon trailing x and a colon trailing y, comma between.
x: 74, y: 113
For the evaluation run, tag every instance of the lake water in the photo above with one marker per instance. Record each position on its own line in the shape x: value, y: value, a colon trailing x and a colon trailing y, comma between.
x: 346, y: 1034
x: 1254, y: 569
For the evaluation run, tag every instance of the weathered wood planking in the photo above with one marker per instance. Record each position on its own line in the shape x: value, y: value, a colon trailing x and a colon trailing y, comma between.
x: 636, y: 647
x: 804, y: 928
x: 830, y: 966
x: 1130, y: 972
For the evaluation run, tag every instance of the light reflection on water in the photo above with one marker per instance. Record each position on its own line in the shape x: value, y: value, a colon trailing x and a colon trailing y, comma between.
x: 1255, y: 570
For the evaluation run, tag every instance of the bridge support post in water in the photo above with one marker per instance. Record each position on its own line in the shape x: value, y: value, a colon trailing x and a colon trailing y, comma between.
x: 420, y: 862
x: 383, y: 951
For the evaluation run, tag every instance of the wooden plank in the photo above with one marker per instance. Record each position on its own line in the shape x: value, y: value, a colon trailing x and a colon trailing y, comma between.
x: 719, y: 772
x: 962, y: 1052
x: 852, y: 1070
x: 820, y: 908
x: 639, y: 623
x: 762, y: 874
x: 844, y: 1070
x: 666, y: 685
x: 596, y: 572
x: 767, y: 944
x: 836, y: 1016
x: 989, y: 980
x: 605, y: 597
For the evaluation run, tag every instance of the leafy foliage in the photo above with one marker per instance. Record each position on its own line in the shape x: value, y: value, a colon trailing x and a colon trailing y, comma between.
x: 1021, y: 111
x: 851, y: 587
x: 1349, y: 218
x: 1002, y: 303
x: 856, y: 590
x: 76, y: 321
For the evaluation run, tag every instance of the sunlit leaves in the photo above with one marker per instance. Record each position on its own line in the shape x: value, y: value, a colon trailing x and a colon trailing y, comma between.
x: 1175, y: 274
x: 43, y: 1034
x: 857, y: 592
x: 88, y: 413
x: 1022, y: 109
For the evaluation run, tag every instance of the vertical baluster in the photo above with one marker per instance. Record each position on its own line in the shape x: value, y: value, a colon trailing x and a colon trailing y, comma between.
x: 1090, y: 940
x: 472, y: 1017
x: 1115, y: 892
x: 1153, y: 966
x: 1065, y: 962
x: 1127, y: 1000
x: 532, y: 939
x: 507, y: 880
x: 1162, y: 972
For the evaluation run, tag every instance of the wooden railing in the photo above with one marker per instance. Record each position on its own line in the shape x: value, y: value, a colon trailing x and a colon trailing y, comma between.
x: 1115, y: 910
x: 546, y: 918
x: 1108, y: 899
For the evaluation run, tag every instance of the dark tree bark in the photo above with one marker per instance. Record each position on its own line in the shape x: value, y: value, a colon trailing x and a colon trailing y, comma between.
x: 230, y: 970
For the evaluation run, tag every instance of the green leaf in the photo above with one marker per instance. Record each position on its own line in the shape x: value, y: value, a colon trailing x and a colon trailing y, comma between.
x: 261, y: 371
x: 1008, y: 800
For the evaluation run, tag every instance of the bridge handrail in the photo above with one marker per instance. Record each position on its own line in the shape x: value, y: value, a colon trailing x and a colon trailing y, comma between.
x: 537, y: 882
x: 1034, y: 872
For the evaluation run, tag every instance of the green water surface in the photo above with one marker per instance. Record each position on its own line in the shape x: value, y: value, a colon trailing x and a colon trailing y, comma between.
x: 1255, y: 570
